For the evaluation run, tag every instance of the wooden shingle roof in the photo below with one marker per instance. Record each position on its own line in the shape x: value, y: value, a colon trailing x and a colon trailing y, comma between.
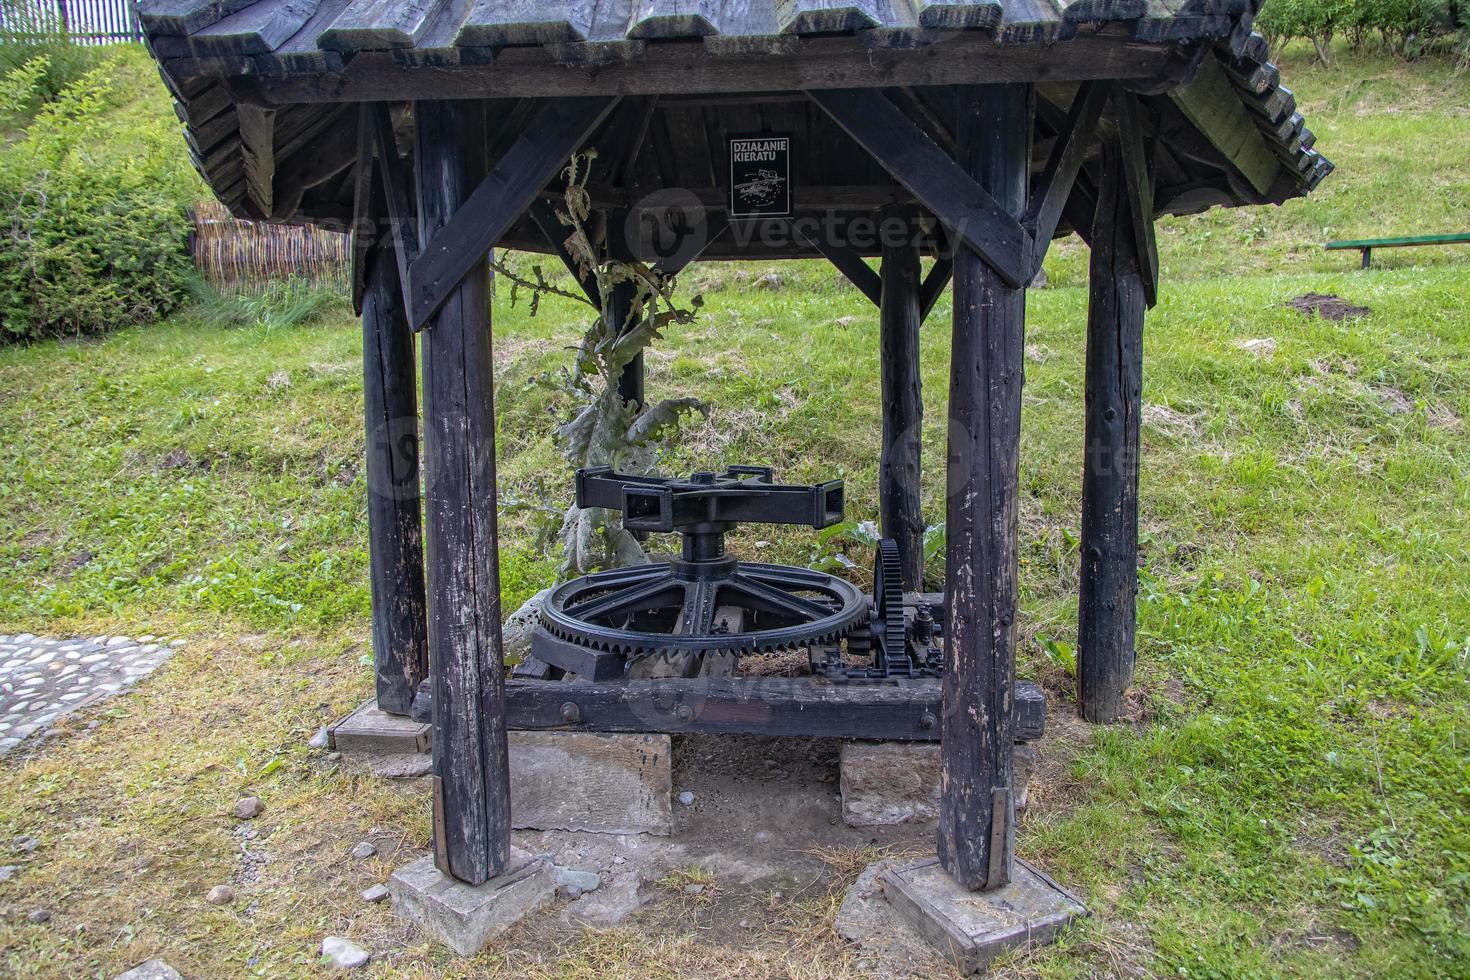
x: 268, y: 89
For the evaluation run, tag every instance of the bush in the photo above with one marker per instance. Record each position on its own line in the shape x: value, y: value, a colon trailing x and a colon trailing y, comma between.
x: 27, y: 36
x: 93, y: 204
x: 1405, y: 28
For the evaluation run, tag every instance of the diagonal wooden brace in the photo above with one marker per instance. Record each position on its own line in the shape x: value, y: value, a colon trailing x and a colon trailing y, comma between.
x: 1066, y: 160
x: 551, y: 137
x: 394, y: 173
x: 1138, y: 180
x: 931, y: 175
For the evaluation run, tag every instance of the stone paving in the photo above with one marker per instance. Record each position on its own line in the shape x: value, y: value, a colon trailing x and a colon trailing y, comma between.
x: 43, y: 679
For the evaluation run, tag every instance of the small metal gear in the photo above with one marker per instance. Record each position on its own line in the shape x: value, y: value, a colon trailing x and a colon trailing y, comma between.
x: 888, y: 623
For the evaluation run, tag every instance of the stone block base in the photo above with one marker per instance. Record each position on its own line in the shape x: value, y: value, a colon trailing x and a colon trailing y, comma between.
x: 885, y: 783
x: 370, y: 732
x: 606, y: 784
x: 972, y: 928
x: 466, y: 917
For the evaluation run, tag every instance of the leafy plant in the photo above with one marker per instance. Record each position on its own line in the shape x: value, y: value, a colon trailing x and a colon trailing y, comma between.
x: 606, y: 430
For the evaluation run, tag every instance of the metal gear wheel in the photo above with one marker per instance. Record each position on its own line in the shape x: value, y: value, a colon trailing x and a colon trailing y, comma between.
x: 650, y: 609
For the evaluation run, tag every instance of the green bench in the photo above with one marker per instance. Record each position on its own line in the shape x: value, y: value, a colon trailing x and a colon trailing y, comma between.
x: 1367, y: 245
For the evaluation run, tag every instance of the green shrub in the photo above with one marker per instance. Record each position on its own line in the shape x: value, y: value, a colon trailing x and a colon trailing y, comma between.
x: 1405, y: 28
x: 27, y: 37
x: 93, y: 205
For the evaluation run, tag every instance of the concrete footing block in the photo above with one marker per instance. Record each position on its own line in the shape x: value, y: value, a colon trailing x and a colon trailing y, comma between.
x: 583, y: 781
x: 370, y: 732
x: 466, y: 917
x: 886, y: 783
x: 972, y: 928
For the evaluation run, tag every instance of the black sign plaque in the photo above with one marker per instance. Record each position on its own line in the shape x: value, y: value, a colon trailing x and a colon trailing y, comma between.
x: 760, y: 176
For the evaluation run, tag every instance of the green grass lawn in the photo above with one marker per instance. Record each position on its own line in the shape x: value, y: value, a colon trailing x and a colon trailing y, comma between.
x: 1289, y: 796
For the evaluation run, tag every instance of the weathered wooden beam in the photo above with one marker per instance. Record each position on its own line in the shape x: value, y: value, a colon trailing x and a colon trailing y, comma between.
x: 681, y: 67
x: 330, y: 149
x: 402, y: 223
x: 544, y: 214
x: 1139, y: 181
x: 471, y: 781
x: 619, y: 307
x: 916, y: 162
x: 364, y: 221
x: 977, y: 808
x: 555, y: 133
x: 257, y: 149
x: 848, y: 262
x: 750, y: 705
x: 1214, y: 106
x: 935, y: 283
x: 395, y: 538
x: 1067, y: 156
x: 900, y: 511
x: 1113, y: 382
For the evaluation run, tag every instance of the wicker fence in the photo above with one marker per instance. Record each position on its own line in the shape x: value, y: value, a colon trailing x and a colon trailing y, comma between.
x: 243, y: 255
x: 79, y: 21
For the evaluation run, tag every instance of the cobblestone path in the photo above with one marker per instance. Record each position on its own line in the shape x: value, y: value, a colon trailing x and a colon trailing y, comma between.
x: 42, y: 679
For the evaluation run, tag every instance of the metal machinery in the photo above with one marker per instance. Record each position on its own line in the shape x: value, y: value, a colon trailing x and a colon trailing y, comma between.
x: 697, y: 613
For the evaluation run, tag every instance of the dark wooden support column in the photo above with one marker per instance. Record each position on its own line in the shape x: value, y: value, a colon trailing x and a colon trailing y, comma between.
x: 1114, y: 376
x: 395, y: 533
x: 977, y: 808
x: 630, y: 385
x: 471, y: 782
x: 901, y: 515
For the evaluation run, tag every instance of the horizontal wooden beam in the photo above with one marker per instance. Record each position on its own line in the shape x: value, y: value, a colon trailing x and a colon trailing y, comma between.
x: 681, y: 67
x: 915, y: 161
x: 552, y: 136
x: 745, y: 705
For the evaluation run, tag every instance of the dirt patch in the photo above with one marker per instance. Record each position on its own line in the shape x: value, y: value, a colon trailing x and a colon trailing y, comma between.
x: 1441, y: 416
x: 1395, y: 401
x: 1170, y: 421
x: 1327, y: 306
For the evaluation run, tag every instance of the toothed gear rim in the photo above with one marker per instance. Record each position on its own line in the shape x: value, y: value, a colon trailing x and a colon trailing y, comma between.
x: 888, y: 597
x: 636, y: 610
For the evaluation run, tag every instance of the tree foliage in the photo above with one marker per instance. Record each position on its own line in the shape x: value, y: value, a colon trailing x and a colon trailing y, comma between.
x: 1405, y: 28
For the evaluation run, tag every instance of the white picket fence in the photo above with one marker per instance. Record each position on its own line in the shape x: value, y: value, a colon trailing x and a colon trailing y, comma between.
x: 79, y: 21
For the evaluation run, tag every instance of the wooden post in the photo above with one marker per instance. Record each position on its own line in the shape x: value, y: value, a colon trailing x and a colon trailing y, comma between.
x: 395, y: 532
x: 1114, y: 377
x: 977, y: 807
x: 471, y: 781
x: 630, y: 384
x: 900, y: 512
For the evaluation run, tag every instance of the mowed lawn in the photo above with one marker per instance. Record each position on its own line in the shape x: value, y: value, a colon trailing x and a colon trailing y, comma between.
x: 1288, y: 798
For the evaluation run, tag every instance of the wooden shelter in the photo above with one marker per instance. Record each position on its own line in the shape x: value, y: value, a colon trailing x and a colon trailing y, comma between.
x: 987, y: 128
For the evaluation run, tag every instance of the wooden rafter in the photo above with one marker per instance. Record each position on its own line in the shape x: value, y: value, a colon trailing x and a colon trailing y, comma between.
x: 917, y: 162
x: 555, y: 133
